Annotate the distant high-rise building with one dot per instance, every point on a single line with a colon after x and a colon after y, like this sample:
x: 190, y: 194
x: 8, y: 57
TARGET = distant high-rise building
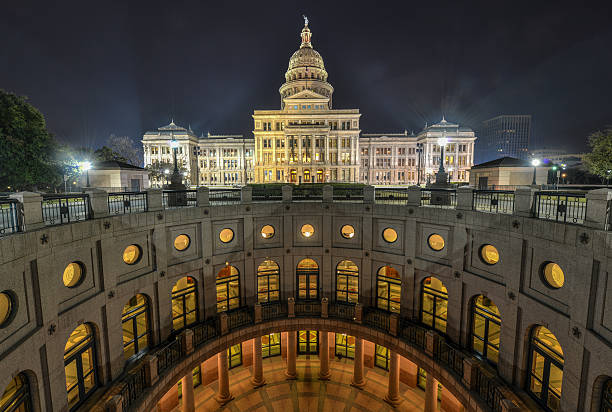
x: 504, y: 136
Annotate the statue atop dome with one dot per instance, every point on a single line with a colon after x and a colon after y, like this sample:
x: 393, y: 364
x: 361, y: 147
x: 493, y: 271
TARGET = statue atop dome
x: 305, y: 20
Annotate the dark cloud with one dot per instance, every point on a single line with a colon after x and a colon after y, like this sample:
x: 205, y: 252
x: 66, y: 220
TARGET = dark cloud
x: 127, y: 67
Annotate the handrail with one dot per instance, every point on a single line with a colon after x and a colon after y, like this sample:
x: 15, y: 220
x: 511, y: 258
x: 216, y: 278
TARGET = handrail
x: 451, y: 357
x: 60, y: 209
x: 10, y: 216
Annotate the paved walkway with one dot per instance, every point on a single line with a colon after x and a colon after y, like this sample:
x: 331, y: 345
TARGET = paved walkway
x: 307, y: 393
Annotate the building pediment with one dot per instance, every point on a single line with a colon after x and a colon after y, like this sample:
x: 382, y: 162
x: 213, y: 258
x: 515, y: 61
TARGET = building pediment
x: 306, y: 95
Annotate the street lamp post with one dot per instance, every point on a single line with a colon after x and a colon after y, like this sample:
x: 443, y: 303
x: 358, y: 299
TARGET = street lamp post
x: 174, y: 145
x: 441, y: 175
x: 419, y: 150
x: 86, y: 167
x: 166, y: 173
x: 535, y: 163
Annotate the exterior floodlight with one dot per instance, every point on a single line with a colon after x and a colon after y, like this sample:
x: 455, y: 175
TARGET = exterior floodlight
x: 86, y: 165
x: 167, y: 171
x: 174, y: 143
x: 535, y: 162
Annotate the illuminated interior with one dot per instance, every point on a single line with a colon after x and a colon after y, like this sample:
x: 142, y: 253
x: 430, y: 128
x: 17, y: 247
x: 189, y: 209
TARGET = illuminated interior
x: 434, y: 304
x: 389, y: 289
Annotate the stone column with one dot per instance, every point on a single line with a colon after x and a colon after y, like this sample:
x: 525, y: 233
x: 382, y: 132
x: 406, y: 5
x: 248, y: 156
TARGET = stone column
x: 392, y: 396
x: 324, y: 373
x: 358, y: 380
x: 291, y: 372
x: 224, y: 395
x: 431, y: 394
x: 31, y: 204
x: 188, y: 403
x: 257, y: 378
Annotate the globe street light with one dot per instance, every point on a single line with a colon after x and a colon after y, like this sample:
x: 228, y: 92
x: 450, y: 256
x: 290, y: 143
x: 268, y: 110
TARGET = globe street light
x: 166, y: 173
x: 535, y: 163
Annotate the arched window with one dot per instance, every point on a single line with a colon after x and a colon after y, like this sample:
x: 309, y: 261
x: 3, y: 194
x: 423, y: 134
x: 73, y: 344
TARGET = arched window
x: 184, y: 303
x: 389, y: 289
x: 606, y: 397
x: 486, y: 324
x: 16, y: 396
x: 347, y: 282
x: 268, y: 282
x: 307, y: 273
x: 80, y: 365
x: 434, y: 304
x: 228, y: 289
x: 135, y: 324
x: 545, y: 368
x: 308, y: 342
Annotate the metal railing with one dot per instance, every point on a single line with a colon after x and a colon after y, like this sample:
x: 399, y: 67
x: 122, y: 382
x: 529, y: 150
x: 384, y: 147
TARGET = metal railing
x: 449, y: 356
x: 224, y: 197
x: 488, y: 389
x: 205, y: 331
x: 446, y: 198
x: 178, y: 198
x: 341, y: 310
x: 135, y: 383
x: 273, y: 310
x: 497, y: 201
x: 306, y: 193
x: 348, y: 194
x: 10, y: 216
x: 307, y: 308
x: 267, y: 193
x: 239, y: 317
x: 566, y: 207
x: 60, y: 209
x: 413, y: 333
x: 391, y: 196
x: 377, y: 318
x: 127, y: 202
x: 169, y: 355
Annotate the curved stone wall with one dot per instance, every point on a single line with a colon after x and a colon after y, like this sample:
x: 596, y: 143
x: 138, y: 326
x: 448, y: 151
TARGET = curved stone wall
x: 32, y: 263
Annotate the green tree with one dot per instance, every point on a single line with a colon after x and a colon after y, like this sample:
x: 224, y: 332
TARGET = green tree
x: 599, y: 161
x: 157, y: 171
x: 26, y: 147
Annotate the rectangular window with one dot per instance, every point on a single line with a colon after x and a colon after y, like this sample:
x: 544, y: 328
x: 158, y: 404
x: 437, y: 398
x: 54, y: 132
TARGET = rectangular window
x: 345, y: 346
x: 270, y: 345
x: 234, y: 355
x: 382, y: 357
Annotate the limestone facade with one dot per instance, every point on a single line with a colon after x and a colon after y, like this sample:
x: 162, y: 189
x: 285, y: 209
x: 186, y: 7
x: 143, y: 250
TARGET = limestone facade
x: 46, y: 311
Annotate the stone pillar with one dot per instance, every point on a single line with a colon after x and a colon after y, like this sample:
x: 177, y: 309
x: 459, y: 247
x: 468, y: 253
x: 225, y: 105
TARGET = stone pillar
x: 524, y: 197
x: 430, y: 337
x: 98, y: 203
x: 203, y: 196
x: 31, y: 204
x: 291, y: 372
x: 328, y: 193
x: 358, y: 380
x: 465, y: 199
x: 392, y: 396
x: 257, y: 315
x: 414, y: 196
x: 431, y: 394
x: 224, y: 395
x: 287, y: 193
x: 188, y: 402
x: 154, y: 200
x: 291, y: 307
x: 394, y: 324
x: 597, y: 209
x: 368, y: 194
x: 150, y: 365
x: 469, y: 373
x: 223, y: 323
x: 358, y: 313
x: 114, y: 404
x: 246, y: 194
x: 324, y: 373
x: 257, y: 378
x: 324, y: 308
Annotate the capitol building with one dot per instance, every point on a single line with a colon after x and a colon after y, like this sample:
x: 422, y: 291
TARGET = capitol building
x: 309, y: 141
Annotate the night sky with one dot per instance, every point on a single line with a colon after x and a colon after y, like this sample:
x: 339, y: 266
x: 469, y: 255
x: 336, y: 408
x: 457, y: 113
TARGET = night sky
x: 101, y: 68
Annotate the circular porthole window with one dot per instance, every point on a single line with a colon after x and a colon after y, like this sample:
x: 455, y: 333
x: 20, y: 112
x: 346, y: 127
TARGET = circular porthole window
x: 267, y: 231
x: 7, y: 307
x: 307, y: 230
x: 182, y: 242
x: 436, y: 242
x: 132, y: 254
x: 489, y: 254
x: 73, y: 274
x: 390, y: 235
x: 347, y: 231
x: 226, y: 235
x: 553, y: 275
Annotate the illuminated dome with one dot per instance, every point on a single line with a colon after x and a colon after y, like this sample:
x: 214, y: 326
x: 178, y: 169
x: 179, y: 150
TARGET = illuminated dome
x: 306, y: 70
